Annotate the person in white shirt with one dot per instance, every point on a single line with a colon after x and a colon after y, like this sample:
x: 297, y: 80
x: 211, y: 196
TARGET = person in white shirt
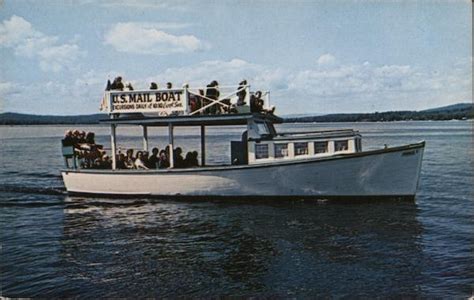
x: 139, y: 164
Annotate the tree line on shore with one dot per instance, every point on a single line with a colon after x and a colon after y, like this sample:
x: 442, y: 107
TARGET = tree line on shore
x: 459, y: 111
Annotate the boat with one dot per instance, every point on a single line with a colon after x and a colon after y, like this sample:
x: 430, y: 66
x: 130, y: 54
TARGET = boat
x: 320, y: 164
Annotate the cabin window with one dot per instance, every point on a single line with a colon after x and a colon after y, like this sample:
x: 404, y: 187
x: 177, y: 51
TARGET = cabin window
x: 261, y: 151
x: 320, y: 147
x: 281, y: 150
x: 262, y: 129
x: 301, y: 149
x: 341, y: 145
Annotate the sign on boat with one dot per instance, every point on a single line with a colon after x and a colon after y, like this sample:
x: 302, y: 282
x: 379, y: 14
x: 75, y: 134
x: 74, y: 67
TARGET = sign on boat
x: 263, y: 163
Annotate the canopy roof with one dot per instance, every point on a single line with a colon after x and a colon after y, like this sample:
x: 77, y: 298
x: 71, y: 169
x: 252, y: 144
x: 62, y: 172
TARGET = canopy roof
x: 195, y: 120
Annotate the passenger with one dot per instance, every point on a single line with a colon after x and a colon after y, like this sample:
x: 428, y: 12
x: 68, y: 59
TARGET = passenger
x: 68, y: 139
x: 90, y: 138
x: 256, y: 103
x: 195, y: 162
x: 241, y: 93
x: 121, y: 159
x: 82, y: 137
x: 145, y: 156
x: 178, y: 158
x: 139, y: 164
x: 163, y: 161
x: 117, y: 84
x: 103, y: 162
x: 212, y: 92
x: 129, y: 86
x: 108, y: 86
x: 153, y: 86
x: 130, y: 160
x: 154, y: 158
x: 191, y: 160
x: 169, y: 85
x: 200, y: 101
x: 75, y: 136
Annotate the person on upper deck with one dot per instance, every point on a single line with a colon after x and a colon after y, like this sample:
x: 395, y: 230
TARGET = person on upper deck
x: 169, y: 85
x: 212, y: 92
x: 241, y: 92
x: 129, y: 86
x: 153, y: 86
x: 256, y: 102
x: 117, y: 84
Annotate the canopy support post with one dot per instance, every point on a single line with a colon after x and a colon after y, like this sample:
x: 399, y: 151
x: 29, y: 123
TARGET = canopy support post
x: 171, y: 144
x: 113, y: 145
x: 145, y: 137
x: 203, y: 145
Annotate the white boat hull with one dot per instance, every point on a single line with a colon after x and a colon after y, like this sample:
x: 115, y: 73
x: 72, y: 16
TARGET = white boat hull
x: 391, y: 172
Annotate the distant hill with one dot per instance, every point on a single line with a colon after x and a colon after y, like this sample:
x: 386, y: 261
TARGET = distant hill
x: 458, y: 111
x: 26, y: 119
x: 450, y: 108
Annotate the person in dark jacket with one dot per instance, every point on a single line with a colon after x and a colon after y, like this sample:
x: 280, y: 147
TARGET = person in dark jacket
x: 212, y: 92
x: 153, y: 159
x: 117, y: 84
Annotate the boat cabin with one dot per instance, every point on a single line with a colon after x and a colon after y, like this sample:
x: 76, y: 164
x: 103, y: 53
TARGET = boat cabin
x: 230, y: 105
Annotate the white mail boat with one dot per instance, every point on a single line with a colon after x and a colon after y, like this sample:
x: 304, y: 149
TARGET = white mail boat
x: 264, y: 163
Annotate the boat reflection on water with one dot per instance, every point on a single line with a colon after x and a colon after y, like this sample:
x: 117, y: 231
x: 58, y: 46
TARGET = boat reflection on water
x: 145, y: 247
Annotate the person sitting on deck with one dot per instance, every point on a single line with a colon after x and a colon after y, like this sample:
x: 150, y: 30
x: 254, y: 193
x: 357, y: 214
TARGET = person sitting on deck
x: 178, y: 158
x: 103, y: 162
x: 68, y: 139
x: 169, y: 85
x: 139, y: 164
x: 90, y: 138
x: 154, y: 158
x: 129, y: 86
x: 130, y: 160
x: 256, y: 102
x: 153, y: 86
x: 163, y: 161
x: 117, y: 84
x: 145, y: 156
x: 191, y: 160
x: 121, y: 159
x: 241, y: 93
x: 212, y: 92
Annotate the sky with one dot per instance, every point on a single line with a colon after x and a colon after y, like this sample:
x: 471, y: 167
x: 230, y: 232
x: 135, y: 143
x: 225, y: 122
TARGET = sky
x: 315, y: 57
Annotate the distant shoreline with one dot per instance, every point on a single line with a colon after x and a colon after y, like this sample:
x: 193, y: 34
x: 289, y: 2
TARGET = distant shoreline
x: 460, y: 111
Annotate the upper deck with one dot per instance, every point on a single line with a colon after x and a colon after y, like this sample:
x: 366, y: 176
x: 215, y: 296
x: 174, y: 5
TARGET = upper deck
x: 186, y: 102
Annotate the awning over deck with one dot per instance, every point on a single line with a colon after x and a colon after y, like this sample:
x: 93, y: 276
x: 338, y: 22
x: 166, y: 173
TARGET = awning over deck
x: 197, y: 120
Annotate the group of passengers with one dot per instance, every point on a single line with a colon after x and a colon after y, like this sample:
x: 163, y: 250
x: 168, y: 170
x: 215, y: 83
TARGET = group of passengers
x: 93, y: 156
x: 203, y: 102
x: 156, y: 160
x: 90, y: 154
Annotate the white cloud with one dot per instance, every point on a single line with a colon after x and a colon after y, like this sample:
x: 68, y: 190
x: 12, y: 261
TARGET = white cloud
x: 149, y: 38
x: 326, y: 59
x: 19, y: 35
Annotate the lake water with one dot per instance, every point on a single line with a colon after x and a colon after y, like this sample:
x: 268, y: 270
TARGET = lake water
x: 53, y: 245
